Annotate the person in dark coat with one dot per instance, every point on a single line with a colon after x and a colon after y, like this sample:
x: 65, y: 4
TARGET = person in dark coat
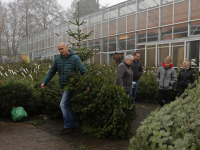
x: 166, y: 77
x: 185, y: 77
x: 64, y: 64
x: 137, y: 72
x: 125, y: 74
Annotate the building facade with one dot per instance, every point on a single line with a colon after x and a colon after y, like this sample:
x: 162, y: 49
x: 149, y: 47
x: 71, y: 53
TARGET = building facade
x: 155, y: 28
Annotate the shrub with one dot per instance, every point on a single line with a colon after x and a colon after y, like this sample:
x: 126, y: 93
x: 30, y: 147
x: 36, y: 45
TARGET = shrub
x: 104, y: 111
x: 175, y: 126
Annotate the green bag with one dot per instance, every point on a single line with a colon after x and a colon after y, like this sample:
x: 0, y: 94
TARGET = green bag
x: 18, y: 113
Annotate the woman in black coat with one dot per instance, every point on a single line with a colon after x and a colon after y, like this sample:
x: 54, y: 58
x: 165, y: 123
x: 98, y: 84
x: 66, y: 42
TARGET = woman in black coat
x: 185, y: 77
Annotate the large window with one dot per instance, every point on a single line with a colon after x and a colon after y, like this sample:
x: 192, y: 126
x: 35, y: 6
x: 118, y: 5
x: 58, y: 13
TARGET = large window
x: 153, y: 18
x: 180, y: 30
x: 195, y: 9
x: 177, y: 54
x: 105, y: 44
x: 152, y: 35
x: 194, y: 53
x: 122, y: 42
x: 105, y: 29
x: 166, y: 33
x: 151, y: 50
x: 181, y: 11
x: 131, y: 23
x: 131, y: 41
x: 163, y: 52
x: 122, y: 25
x: 142, y: 19
x: 167, y: 14
x: 122, y: 9
x: 142, y: 36
x: 112, y: 27
x: 112, y: 43
x: 195, y: 27
x: 97, y: 30
x: 91, y: 29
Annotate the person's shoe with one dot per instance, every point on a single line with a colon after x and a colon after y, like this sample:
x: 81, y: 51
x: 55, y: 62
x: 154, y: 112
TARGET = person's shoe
x: 65, y: 131
x: 74, y: 129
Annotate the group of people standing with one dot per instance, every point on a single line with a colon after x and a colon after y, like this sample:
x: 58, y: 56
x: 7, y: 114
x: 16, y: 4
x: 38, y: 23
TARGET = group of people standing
x: 128, y: 74
x: 130, y: 70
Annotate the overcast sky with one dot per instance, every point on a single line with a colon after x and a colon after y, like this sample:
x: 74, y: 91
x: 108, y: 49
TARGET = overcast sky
x: 66, y: 3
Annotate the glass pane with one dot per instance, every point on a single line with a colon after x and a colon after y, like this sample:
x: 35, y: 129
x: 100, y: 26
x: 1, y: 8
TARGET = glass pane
x: 105, y: 15
x: 131, y: 7
x: 122, y: 25
x: 112, y: 27
x: 195, y: 9
x: 181, y: 11
x: 98, y: 17
x: 97, y: 30
x: 180, y: 30
x: 152, y: 35
x: 151, y: 56
x: 163, y: 51
x: 142, y: 5
x: 142, y: 36
x: 113, y: 13
x: 142, y: 20
x: 122, y: 10
x: 142, y: 56
x: 195, y: 27
x: 122, y: 42
x: 166, y: 33
x: 91, y: 19
x: 167, y: 14
x: 177, y: 55
x: 104, y: 58
x: 153, y: 18
x: 105, y: 44
x: 167, y: 1
x: 153, y: 3
x: 97, y: 57
x: 91, y: 29
x: 130, y: 41
x: 131, y: 23
x: 105, y: 29
x: 194, y: 52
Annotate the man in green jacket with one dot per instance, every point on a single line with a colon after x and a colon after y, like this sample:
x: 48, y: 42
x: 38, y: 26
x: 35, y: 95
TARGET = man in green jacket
x: 65, y: 63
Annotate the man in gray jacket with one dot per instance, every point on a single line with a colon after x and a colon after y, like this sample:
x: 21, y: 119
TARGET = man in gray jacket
x: 125, y: 74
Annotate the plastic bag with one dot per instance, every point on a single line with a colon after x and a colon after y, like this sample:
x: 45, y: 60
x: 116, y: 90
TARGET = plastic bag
x: 18, y: 114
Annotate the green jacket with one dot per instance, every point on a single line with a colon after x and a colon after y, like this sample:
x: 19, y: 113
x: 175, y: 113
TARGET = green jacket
x: 64, y: 66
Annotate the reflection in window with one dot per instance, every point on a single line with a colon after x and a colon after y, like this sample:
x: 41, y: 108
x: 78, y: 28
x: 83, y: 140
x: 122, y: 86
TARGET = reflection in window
x: 153, y: 18
x: 151, y: 56
x: 166, y: 33
x: 122, y: 10
x: 142, y: 36
x: 142, y: 20
x: 181, y: 11
x: 112, y: 27
x: 122, y: 25
x: 177, y: 55
x: 131, y: 7
x: 122, y: 42
x: 167, y: 14
x: 180, y: 30
x: 97, y: 30
x: 130, y: 41
x: 105, y: 29
x: 163, y: 51
x: 195, y: 9
x: 131, y: 23
x: 195, y: 27
x: 152, y: 35
x: 113, y: 13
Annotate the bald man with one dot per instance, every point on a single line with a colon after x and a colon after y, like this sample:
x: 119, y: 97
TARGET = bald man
x: 65, y: 63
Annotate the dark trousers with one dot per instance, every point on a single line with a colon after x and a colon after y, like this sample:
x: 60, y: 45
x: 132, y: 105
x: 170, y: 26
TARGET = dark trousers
x: 182, y: 89
x: 164, y: 97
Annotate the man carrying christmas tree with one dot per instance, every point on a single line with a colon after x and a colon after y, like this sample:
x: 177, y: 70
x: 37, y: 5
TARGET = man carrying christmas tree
x: 66, y: 63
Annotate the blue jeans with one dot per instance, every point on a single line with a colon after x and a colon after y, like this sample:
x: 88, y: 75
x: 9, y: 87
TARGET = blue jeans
x: 70, y: 118
x: 134, y: 90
